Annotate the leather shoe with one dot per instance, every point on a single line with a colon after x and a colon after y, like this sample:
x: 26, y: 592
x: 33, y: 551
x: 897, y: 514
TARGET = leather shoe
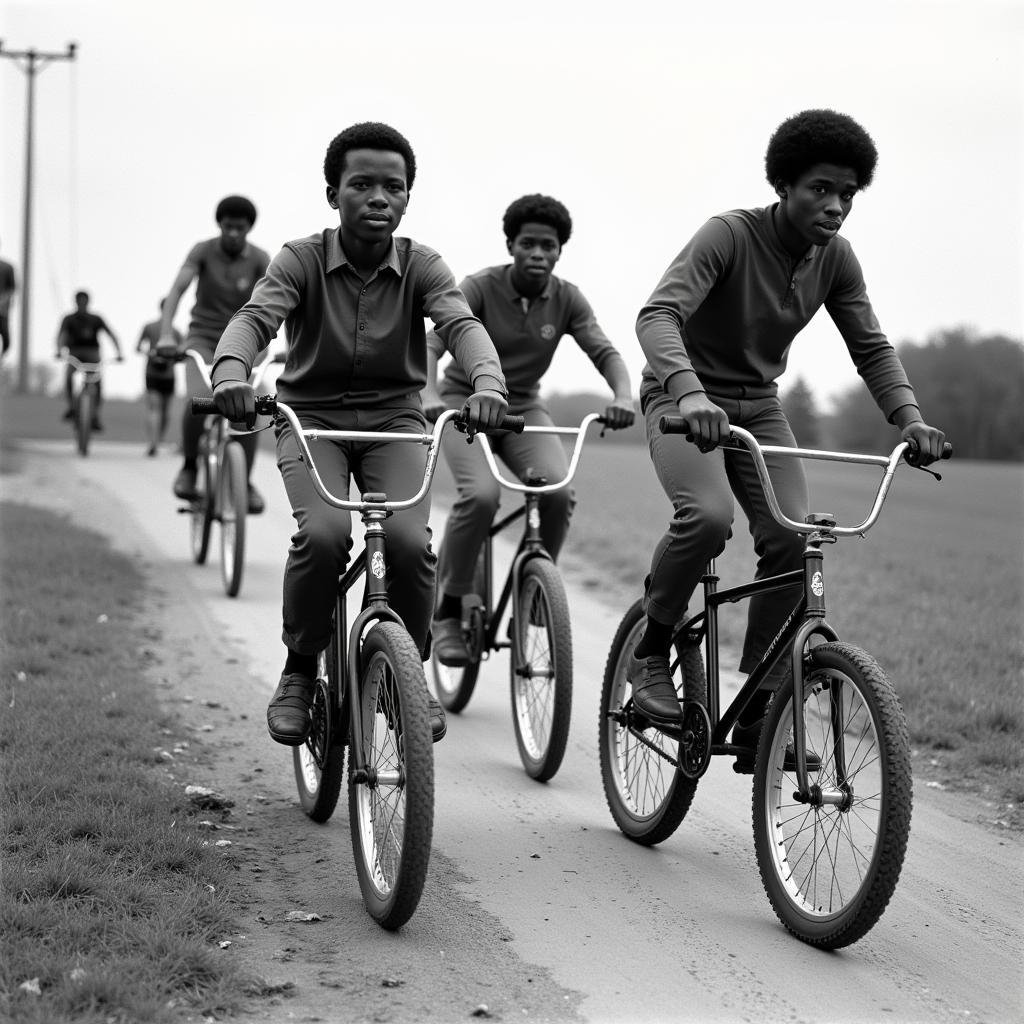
x: 288, y: 719
x: 256, y: 503
x: 449, y: 643
x: 438, y: 721
x: 185, y: 485
x: 654, y: 696
x: 748, y: 735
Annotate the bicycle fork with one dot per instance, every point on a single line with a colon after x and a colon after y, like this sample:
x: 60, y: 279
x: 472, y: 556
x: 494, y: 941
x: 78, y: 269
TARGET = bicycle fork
x: 530, y: 546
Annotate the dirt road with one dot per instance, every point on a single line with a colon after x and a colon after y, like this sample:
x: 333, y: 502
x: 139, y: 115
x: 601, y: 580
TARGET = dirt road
x: 536, y: 908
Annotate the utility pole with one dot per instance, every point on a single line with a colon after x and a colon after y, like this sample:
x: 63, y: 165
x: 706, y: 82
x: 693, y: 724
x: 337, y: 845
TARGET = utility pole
x: 31, y: 62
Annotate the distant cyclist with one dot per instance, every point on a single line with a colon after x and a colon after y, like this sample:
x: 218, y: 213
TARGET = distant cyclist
x: 159, y: 381
x: 225, y: 270
x: 526, y: 311
x: 80, y: 334
x: 716, y: 332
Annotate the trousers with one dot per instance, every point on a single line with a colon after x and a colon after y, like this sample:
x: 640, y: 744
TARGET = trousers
x: 702, y: 487
x: 322, y: 541
x: 479, y: 495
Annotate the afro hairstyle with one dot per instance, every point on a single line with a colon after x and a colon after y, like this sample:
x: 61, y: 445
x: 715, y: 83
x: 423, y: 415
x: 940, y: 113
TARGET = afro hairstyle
x: 540, y: 210
x: 236, y: 206
x: 368, y: 135
x: 819, y: 136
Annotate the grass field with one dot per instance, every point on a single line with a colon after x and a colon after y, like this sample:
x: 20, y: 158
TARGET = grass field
x: 112, y: 899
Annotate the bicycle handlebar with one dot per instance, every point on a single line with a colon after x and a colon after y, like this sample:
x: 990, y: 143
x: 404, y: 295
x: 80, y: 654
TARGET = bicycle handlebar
x: 268, y: 405
x: 743, y: 440
x: 517, y: 485
x: 71, y: 360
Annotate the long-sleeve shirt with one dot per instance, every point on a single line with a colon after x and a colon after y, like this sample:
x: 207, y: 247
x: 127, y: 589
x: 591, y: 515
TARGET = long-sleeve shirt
x: 355, y: 343
x: 526, y: 334
x: 729, y: 306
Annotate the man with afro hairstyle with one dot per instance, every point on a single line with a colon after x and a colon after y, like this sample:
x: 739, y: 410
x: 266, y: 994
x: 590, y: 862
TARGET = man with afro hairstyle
x: 527, y: 311
x: 716, y: 333
x: 353, y: 299
x: 225, y: 270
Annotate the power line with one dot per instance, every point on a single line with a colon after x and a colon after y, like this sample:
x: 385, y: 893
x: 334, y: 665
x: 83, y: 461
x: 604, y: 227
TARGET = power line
x: 31, y: 62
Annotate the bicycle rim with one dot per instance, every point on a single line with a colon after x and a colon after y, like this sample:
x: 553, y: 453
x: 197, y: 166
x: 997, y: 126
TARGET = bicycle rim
x: 541, y: 669
x: 830, y: 870
x: 391, y: 811
x: 646, y: 792
x: 319, y: 762
x: 83, y: 420
x: 234, y: 504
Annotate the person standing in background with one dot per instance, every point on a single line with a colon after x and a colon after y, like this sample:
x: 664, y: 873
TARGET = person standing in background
x: 8, y: 285
x: 159, y: 380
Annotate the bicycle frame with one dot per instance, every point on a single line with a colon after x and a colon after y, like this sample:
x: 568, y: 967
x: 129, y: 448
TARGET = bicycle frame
x: 530, y: 544
x: 808, y: 615
x: 370, y: 563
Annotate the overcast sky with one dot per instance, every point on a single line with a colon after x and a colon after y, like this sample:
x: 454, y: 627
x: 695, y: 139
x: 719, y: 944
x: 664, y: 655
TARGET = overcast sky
x: 644, y: 117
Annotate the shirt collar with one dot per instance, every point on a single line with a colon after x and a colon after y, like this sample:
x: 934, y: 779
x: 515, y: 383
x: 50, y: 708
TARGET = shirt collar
x: 514, y: 296
x: 335, y: 256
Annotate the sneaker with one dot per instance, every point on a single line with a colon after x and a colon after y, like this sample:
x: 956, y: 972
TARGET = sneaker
x: 654, y: 696
x: 438, y: 721
x: 449, y: 643
x: 256, y: 503
x: 748, y: 735
x: 69, y: 414
x: 151, y: 450
x: 185, y: 485
x: 288, y: 719
x: 97, y: 426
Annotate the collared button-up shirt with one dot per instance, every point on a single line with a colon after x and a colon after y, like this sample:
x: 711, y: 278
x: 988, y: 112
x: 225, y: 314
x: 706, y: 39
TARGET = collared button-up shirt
x: 729, y: 306
x: 526, y: 333
x: 355, y: 342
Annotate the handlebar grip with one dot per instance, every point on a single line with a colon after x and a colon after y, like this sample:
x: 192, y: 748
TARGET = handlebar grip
x: 673, y: 425
x: 515, y: 424
x: 203, y: 406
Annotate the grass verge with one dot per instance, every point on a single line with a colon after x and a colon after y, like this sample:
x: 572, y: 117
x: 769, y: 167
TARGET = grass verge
x: 111, y: 901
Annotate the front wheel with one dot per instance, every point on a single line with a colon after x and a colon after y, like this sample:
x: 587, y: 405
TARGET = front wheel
x: 541, y: 669
x: 202, y: 507
x: 391, y: 798
x: 642, y: 767
x: 455, y: 685
x: 84, y: 412
x: 830, y: 864
x: 234, y: 505
x: 319, y: 762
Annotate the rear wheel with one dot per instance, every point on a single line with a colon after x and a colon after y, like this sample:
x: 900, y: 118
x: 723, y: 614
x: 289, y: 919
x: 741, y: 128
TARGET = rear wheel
x: 202, y: 506
x: 541, y: 669
x: 647, y: 791
x: 234, y: 504
x: 830, y: 865
x: 454, y: 685
x: 391, y: 805
x: 84, y: 412
x: 319, y: 762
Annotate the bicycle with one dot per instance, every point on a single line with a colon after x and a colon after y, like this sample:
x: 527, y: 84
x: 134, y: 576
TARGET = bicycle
x: 539, y: 632
x: 222, y: 485
x: 85, y: 397
x: 371, y: 697
x: 829, y: 843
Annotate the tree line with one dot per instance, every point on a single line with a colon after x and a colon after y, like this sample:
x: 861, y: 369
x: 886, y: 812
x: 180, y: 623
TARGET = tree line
x: 972, y: 386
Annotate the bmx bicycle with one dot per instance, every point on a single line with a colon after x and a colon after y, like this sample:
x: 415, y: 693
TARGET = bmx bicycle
x: 830, y: 842
x: 371, y: 696
x: 538, y: 635
x: 221, y: 484
x: 85, y: 397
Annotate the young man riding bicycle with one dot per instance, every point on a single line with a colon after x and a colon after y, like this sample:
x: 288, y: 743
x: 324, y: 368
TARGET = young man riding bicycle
x: 353, y: 300
x: 225, y: 270
x: 716, y: 332
x: 527, y: 310
x: 80, y: 334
